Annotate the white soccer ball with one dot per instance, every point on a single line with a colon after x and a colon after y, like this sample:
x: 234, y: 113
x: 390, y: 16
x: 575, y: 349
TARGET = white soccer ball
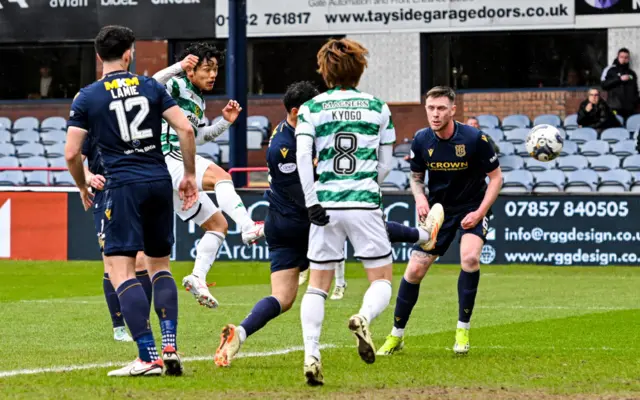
x: 544, y: 142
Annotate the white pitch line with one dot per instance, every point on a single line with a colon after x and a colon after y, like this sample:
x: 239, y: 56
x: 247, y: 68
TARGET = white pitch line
x: 69, y: 368
x: 555, y: 308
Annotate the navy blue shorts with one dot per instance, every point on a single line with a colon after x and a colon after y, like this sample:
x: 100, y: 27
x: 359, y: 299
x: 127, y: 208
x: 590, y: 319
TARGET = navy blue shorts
x: 450, y: 229
x: 98, y: 217
x: 139, y: 216
x: 288, y: 241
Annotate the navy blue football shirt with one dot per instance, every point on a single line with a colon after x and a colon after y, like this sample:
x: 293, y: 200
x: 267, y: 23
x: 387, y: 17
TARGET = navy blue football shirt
x: 285, y: 193
x: 456, y: 167
x: 124, y: 113
x: 90, y: 150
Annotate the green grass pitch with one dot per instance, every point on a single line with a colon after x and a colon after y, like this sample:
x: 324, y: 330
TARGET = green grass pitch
x: 537, y: 332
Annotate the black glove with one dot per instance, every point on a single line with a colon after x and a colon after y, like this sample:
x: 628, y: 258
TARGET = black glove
x: 318, y: 215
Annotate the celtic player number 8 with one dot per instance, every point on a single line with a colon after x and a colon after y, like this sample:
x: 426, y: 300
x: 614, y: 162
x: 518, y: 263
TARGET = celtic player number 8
x: 131, y: 131
x: 344, y: 163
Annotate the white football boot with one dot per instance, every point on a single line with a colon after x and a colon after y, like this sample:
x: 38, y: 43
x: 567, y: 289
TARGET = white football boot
x: 139, y: 368
x: 200, y: 290
x: 254, y: 234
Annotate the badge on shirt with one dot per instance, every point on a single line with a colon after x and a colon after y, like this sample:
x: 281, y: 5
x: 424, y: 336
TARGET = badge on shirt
x: 287, y: 168
x: 460, y: 150
x: 284, y: 151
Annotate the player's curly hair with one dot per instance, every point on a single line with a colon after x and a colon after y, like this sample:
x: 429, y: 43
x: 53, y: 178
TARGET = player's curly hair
x: 342, y: 62
x: 204, y: 51
x: 299, y: 93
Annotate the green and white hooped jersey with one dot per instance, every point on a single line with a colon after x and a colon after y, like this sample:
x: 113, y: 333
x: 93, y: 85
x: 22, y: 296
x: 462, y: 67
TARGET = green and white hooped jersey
x: 348, y: 127
x: 191, y: 101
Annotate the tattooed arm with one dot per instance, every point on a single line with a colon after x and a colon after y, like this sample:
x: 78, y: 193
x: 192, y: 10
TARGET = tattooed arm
x: 417, y: 188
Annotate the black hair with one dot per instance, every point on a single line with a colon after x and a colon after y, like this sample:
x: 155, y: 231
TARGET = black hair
x: 624, y: 50
x: 299, y: 93
x: 113, y: 41
x: 204, y: 51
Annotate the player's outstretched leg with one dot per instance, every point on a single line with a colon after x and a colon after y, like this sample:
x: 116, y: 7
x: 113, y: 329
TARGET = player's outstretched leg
x: 425, y: 235
x: 219, y: 180
x: 113, y: 304
x: 341, y: 283
x: 135, y: 309
x: 206, y: 251
x: 470, y: 248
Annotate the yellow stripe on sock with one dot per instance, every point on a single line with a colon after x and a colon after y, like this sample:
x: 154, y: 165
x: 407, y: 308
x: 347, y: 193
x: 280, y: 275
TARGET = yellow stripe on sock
x: 129, y: 287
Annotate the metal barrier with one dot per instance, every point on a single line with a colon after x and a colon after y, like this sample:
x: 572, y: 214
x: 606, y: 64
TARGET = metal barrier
x: 247, y: 170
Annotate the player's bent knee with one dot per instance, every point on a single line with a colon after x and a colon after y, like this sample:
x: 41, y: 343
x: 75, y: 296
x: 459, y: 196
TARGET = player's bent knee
x: 419, y: 264
x: 470, y: 262
x: 217, y: 223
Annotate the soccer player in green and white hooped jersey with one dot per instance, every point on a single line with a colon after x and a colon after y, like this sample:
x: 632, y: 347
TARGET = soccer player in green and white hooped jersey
x: 353, y: 135
x: 185, y: 82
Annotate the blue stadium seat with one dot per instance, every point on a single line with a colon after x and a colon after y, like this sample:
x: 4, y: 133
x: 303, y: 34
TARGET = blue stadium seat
x: 210, y: 151
x: 53, y: 124
x: 506, y: 149
x: 517, y: 181
x: 58, y: 162
x: 254, y: 138
x: 582, y: 135
x: 10, y: 162
x: 533, y: 165
x: 5, y: 136
x: 620, y: 119
x: 53, y: 136
x: 583, y: 180
x: 55, y: 150
x: 594, y: 148
x: 30, y: 150
x: 521, y: 150
x: 496, y: 134
x: 633, y: 124
x: 569, y: 148
x: 37, y: 162
x: 548, y: 119
x: 261, y: 123
x: 571, y: 122
x: 572, y: 163
x: 26, y: 136
x: 63, y: 178
x: 510, y: 163
x: 632, y: 163
x: 403, y: 165
x: 516, y: 121
x: 624, y: 148
x: 615, y: 180
x: 5, y: 123
x: 397, y: 179
x: 604, y: 163
x: 26, y: 124
x: 224, y: 153
x: 38, y: 178
x: 402, y: 149
x: 516, y: 135
x: 549, y: 181
x: 614, y: 135
x: 11, y: 178
x: 488, y: 121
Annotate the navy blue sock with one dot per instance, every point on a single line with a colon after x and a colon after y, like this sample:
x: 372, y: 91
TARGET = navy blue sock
x: 407, y: 298
x: 165, y: 301
x: 399, y: 233
x: 467, y: 290
x: 135, y: 309
x: 112, y: 302
x: 145, y: 281
x: 264, y: 311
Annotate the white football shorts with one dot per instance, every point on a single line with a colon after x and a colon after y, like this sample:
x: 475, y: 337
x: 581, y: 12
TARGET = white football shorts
x: 366, y: 231
x: 204, y: 208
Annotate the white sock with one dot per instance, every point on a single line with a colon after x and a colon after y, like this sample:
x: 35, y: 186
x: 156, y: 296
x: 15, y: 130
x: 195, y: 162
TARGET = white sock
x: 206, y: 253
x: 340, y: 274
x: 242, y: 334
x: 424, y: 236
x: 311, y: 316
x: 376, y: 299
x: 232, y: 205
x: 397, y: 332
x: 465, y: 325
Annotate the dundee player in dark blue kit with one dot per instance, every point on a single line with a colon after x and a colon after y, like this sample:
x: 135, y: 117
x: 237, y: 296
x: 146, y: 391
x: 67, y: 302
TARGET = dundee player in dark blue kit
x: 124, y: 113
x: 458, y: 159
x: 94, y: 174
